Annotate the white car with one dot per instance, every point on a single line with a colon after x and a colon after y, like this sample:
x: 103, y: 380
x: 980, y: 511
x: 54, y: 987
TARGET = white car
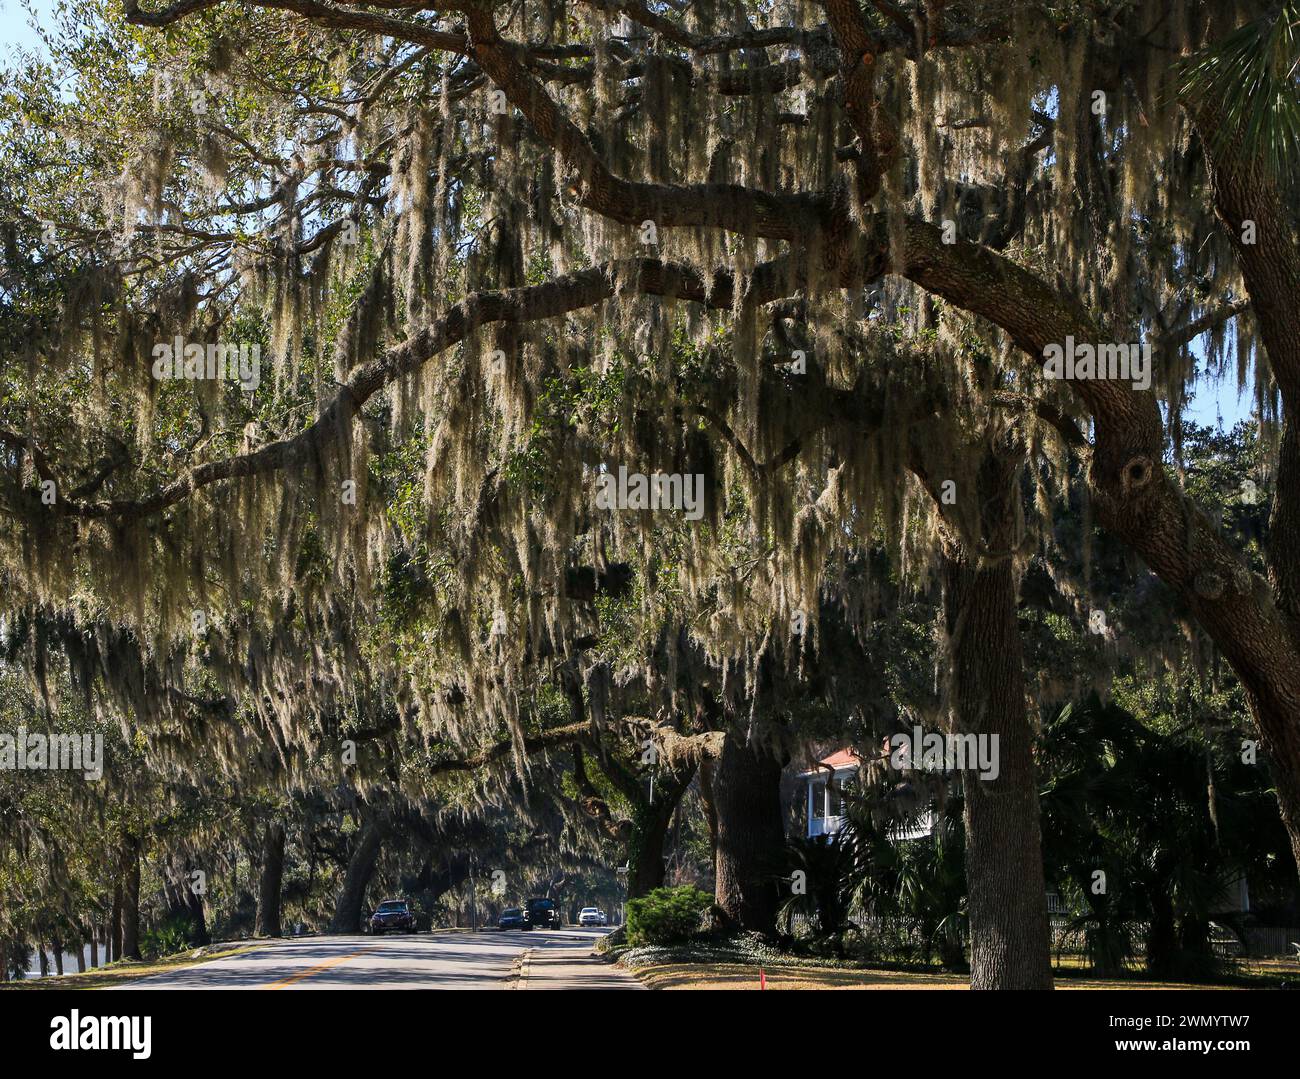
x: 591, y: 916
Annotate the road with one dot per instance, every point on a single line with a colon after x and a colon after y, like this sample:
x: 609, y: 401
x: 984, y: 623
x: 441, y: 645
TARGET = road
x: 444, y: 960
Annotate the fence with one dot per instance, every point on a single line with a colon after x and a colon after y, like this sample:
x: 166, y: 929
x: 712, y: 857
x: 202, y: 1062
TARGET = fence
x: 1270, y: 940
x: 1257, y: 942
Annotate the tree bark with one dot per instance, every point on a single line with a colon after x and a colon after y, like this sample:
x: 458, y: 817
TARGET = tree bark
x: 1244, y: 190
x: 114, y: 942
x: 650, y: 821
x: 361, y: 866
x: 646, y: 850
x: 749, y: 857
x: 268, y: 897
x: 653, y: 799
x: 646, y: 833
x: 1010, y: 940
x: 130, y: 941
x: 1134, y: 497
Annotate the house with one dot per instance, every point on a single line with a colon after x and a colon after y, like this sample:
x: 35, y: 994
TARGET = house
x: 825, y: 788
x: 825, y: 785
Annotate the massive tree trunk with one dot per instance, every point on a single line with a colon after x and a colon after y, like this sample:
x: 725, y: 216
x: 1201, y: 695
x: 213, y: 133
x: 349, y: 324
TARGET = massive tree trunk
x: 650, y: 821
x: 1245, y: 191
x: 130, y: 942
x: 268, y: 895
x: 1009, y: 932
x: 645, y: 834
x: 1134, y: 497
x: 361, y: 866
x: 653, y: 798
x: 749, y: 855
x: 1274, y: 695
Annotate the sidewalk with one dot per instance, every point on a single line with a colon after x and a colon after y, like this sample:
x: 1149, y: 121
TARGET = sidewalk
x: 570, y: 968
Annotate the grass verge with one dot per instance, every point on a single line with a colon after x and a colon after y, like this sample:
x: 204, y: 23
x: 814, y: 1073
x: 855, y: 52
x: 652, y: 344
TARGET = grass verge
x: 735, y: 963
x: 129, y: 970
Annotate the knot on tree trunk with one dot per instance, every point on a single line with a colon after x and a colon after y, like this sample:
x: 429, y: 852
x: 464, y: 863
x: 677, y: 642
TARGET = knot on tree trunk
x: 1136, y: 474
x: 1209, y: 584
x: 1216, y: 583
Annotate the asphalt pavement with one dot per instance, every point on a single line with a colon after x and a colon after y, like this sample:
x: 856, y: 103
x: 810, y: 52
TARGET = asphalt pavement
x: 537, y: 959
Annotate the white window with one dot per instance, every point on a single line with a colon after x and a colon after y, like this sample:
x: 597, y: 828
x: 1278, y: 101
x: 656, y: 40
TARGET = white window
x: 818, y: 800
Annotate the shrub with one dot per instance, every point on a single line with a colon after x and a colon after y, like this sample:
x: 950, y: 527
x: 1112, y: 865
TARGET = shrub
x: 666, y: 915
x: 165, y: 939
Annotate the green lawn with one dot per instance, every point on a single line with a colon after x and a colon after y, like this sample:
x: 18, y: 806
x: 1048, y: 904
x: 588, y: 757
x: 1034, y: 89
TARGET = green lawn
x: 128, y: 970
x: 1259, y: 974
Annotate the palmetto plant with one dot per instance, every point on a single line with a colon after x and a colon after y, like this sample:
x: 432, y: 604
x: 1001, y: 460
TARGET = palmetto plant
x: 1144, y: 828
x: 918, y: 884
x: 827, y: 868
x: 1251, y: 80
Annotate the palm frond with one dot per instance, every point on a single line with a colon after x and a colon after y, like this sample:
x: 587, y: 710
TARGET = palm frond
x: 1250, y: 83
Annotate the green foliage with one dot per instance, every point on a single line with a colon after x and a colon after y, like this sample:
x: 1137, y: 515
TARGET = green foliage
x: 666, y: 915
x: 827, y: 867
x: 914, y: 891
x: 1250, y: 79
x: 1168, y: 811
x: 166, y: 939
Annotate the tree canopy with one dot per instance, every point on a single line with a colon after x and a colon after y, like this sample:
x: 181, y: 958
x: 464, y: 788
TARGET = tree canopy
x: 406, y: 406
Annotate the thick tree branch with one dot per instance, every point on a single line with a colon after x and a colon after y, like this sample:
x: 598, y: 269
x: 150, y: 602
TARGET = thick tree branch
x: 727, y: 206
x: 559, y: 296
x: 533, y: 743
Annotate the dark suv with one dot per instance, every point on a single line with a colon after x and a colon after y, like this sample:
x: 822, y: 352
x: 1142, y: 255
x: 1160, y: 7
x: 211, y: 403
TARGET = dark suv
x: 543, y: 914
x: 392, y: 915
x: 512, y: 918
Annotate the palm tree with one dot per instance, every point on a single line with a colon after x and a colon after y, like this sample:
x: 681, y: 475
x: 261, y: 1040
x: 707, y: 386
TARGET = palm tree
x: 1145, y: 826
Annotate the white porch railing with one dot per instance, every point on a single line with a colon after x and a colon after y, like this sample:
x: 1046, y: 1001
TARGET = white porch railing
x: 824, y: 826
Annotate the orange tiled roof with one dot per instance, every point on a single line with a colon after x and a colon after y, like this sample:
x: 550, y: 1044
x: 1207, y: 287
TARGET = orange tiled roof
x: 841, y: 758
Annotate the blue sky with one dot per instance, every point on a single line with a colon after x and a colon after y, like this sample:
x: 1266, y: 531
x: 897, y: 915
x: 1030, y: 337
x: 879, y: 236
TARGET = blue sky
x: 14, y: 28
x: 1216, y: 402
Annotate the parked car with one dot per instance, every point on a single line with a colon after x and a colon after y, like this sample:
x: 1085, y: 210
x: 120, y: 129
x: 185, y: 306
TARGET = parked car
x: 392, y: 915
x: 513, y: 918
x: 543, y: 914
x: 591, y: 916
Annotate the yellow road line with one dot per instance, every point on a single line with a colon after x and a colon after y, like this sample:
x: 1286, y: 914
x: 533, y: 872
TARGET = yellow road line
x: 310, y: 971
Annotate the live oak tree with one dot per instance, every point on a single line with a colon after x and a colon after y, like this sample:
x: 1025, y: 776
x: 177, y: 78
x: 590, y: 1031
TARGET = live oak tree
x: 424, y: 216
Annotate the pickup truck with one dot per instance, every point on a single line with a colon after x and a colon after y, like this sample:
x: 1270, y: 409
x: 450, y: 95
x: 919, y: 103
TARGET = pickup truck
x: 543, y: 914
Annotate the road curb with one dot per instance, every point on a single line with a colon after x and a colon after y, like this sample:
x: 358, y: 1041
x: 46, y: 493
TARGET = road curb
x: 518, y: 976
